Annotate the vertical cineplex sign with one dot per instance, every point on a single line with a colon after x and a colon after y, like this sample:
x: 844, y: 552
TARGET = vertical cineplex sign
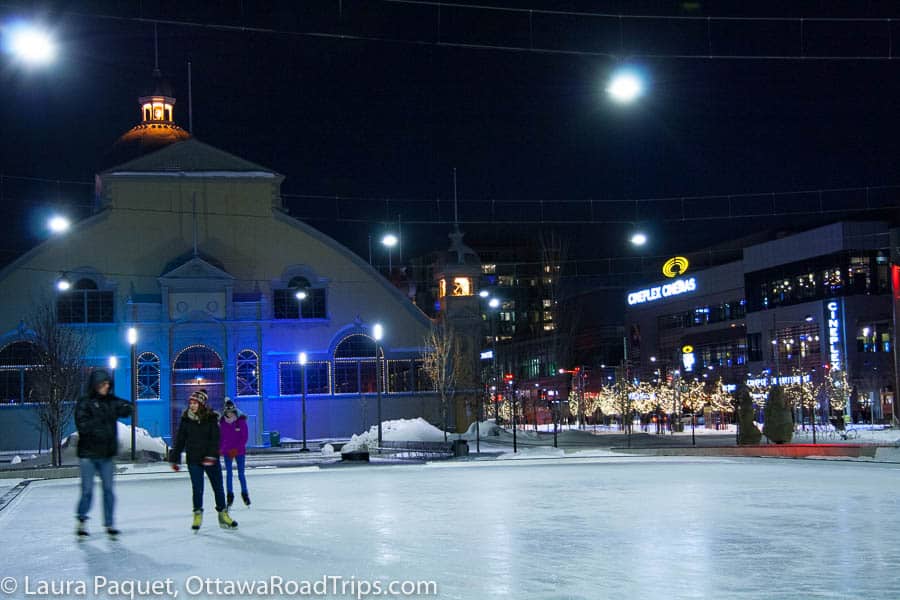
x: 834, y: 328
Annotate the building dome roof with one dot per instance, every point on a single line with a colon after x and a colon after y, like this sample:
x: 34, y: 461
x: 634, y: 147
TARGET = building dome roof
x: 157, y: 128
x: 142, y: 139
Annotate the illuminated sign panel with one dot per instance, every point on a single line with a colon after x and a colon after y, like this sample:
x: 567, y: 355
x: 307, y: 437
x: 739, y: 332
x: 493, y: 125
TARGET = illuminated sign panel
x: 833, y: 318
x: 675, y: 266
x: 667, y: 290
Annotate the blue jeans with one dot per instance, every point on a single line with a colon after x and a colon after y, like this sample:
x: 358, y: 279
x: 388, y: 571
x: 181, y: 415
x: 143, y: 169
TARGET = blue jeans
x: 104, y: 468
x: 240, y: 459
x: 214, y: 473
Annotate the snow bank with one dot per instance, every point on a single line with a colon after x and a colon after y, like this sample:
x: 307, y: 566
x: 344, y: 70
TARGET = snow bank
x: 487, y: 429
x: 144, y: 442
x: 16, y: 460
x: 328, y: 450
x: 400, y: 430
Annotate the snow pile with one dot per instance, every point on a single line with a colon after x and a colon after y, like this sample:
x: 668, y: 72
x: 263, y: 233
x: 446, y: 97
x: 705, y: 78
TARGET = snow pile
x: 400, y: 430
x: 328, y: 450
x: 486, y: 429
x: 144, y: 442
x: 16, y: 460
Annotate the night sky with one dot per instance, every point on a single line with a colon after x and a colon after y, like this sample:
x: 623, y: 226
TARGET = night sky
x: 382, y: 123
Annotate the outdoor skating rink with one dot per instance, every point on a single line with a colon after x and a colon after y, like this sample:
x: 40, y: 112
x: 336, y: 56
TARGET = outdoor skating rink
x: 609, y: 527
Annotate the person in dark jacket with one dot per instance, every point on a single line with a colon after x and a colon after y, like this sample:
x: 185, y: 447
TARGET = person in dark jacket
x: 198, y: 436
x: 233, y: 448
x: 96, y: 419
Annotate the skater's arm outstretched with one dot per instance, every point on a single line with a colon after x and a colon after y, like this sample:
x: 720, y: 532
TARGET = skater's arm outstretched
x: 124, y: 408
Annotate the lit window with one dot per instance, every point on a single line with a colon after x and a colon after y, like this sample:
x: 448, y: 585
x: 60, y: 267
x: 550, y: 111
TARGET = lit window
x: 148, y: 376
x: 462, y: 286
x: 488, y: 268
x: 442, y: 284
x: 247, y: 373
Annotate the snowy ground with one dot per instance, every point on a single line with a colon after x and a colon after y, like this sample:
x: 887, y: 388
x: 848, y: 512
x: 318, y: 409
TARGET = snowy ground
x: 574, y: 528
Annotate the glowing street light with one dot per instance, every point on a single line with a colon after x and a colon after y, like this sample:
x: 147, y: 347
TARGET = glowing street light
x: 625, y: 86
x: 303, y: 360
x: 58, y: 224
x: 390, y: 240
x: 31, y: 45
x: 301, y: 295
x: 132, y: 341
x: 494, y: 303
x: 483, y: 293
x: 378, y: 334
x: 639, y: 239
x: 113, y: 363
x: 63, y: 284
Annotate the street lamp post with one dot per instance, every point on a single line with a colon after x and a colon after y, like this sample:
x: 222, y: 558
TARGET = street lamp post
x: 494, y: 304
x: 512, y: 404
x: 132, y: 341
x: 390, y: 240
x: 302, y: 359
x: 378, y: 334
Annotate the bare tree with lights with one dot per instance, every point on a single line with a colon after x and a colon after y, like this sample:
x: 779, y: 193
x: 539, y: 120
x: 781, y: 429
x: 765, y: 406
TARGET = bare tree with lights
x: 58, y: 375
x: 444, y: 364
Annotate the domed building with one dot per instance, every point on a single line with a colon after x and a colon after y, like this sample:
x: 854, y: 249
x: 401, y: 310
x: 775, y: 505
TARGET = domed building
x: 157, y: 128
x: 193, y: 248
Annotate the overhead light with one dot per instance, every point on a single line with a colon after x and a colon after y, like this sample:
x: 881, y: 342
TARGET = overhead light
x: 625, y: 86
x: 59, y: 224
x: 377, y: 332
x: 390, y: 240
x: 63, y: 283
x: 301, y: 295
x: 483, y: 293
x: 302, y: 358
x: 32, y: 45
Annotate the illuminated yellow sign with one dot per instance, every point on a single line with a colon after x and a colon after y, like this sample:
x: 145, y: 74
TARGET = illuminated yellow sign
x: 462, y: 286
x: 675, y: 266
x: 687, y: 349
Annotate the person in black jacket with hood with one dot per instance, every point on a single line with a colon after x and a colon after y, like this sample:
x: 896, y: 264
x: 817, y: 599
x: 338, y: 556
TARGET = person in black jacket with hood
x: 198, y: 435
x: 96, y: 418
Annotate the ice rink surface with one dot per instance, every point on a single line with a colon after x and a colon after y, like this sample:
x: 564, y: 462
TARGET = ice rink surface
x: 612, y: 527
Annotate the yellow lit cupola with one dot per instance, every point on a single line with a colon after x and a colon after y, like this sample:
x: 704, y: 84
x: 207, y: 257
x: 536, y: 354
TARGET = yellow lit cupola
x: 157, y: 127
x: 157, y: 105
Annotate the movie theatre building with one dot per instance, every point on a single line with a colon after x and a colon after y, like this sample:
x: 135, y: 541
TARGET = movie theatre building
x: 807, y: 302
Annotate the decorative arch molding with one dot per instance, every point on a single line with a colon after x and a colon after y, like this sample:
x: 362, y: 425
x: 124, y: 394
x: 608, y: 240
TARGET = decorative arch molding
x: 88, y: 272
x: 301, y: 270
x: 355, y: 328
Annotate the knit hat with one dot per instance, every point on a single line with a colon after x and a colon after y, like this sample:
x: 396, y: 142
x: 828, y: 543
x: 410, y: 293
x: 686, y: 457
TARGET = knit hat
x: 199, y: 396
x: 229, y: 405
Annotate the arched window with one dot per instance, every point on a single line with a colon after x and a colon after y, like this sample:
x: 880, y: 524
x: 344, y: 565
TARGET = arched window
x: 148, y: 376
x: 354, y: 365
x: 312, y: 306
x: 17, y: 361
x: 85, y: 302
x: 247, y: 373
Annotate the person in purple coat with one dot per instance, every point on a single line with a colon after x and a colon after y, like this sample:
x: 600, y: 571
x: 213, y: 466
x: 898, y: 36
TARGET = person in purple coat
x: 233, y: 446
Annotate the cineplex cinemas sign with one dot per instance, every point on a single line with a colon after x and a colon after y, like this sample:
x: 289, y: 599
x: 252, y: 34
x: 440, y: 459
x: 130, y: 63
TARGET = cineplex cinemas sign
x: 673, y: 288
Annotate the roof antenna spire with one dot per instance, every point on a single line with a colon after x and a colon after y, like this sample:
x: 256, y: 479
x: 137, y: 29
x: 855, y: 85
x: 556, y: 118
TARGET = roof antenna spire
x: 155, y: 51
x: 455, y: 204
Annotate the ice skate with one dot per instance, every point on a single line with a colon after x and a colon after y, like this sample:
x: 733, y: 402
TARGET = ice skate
x: 225, y: 520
